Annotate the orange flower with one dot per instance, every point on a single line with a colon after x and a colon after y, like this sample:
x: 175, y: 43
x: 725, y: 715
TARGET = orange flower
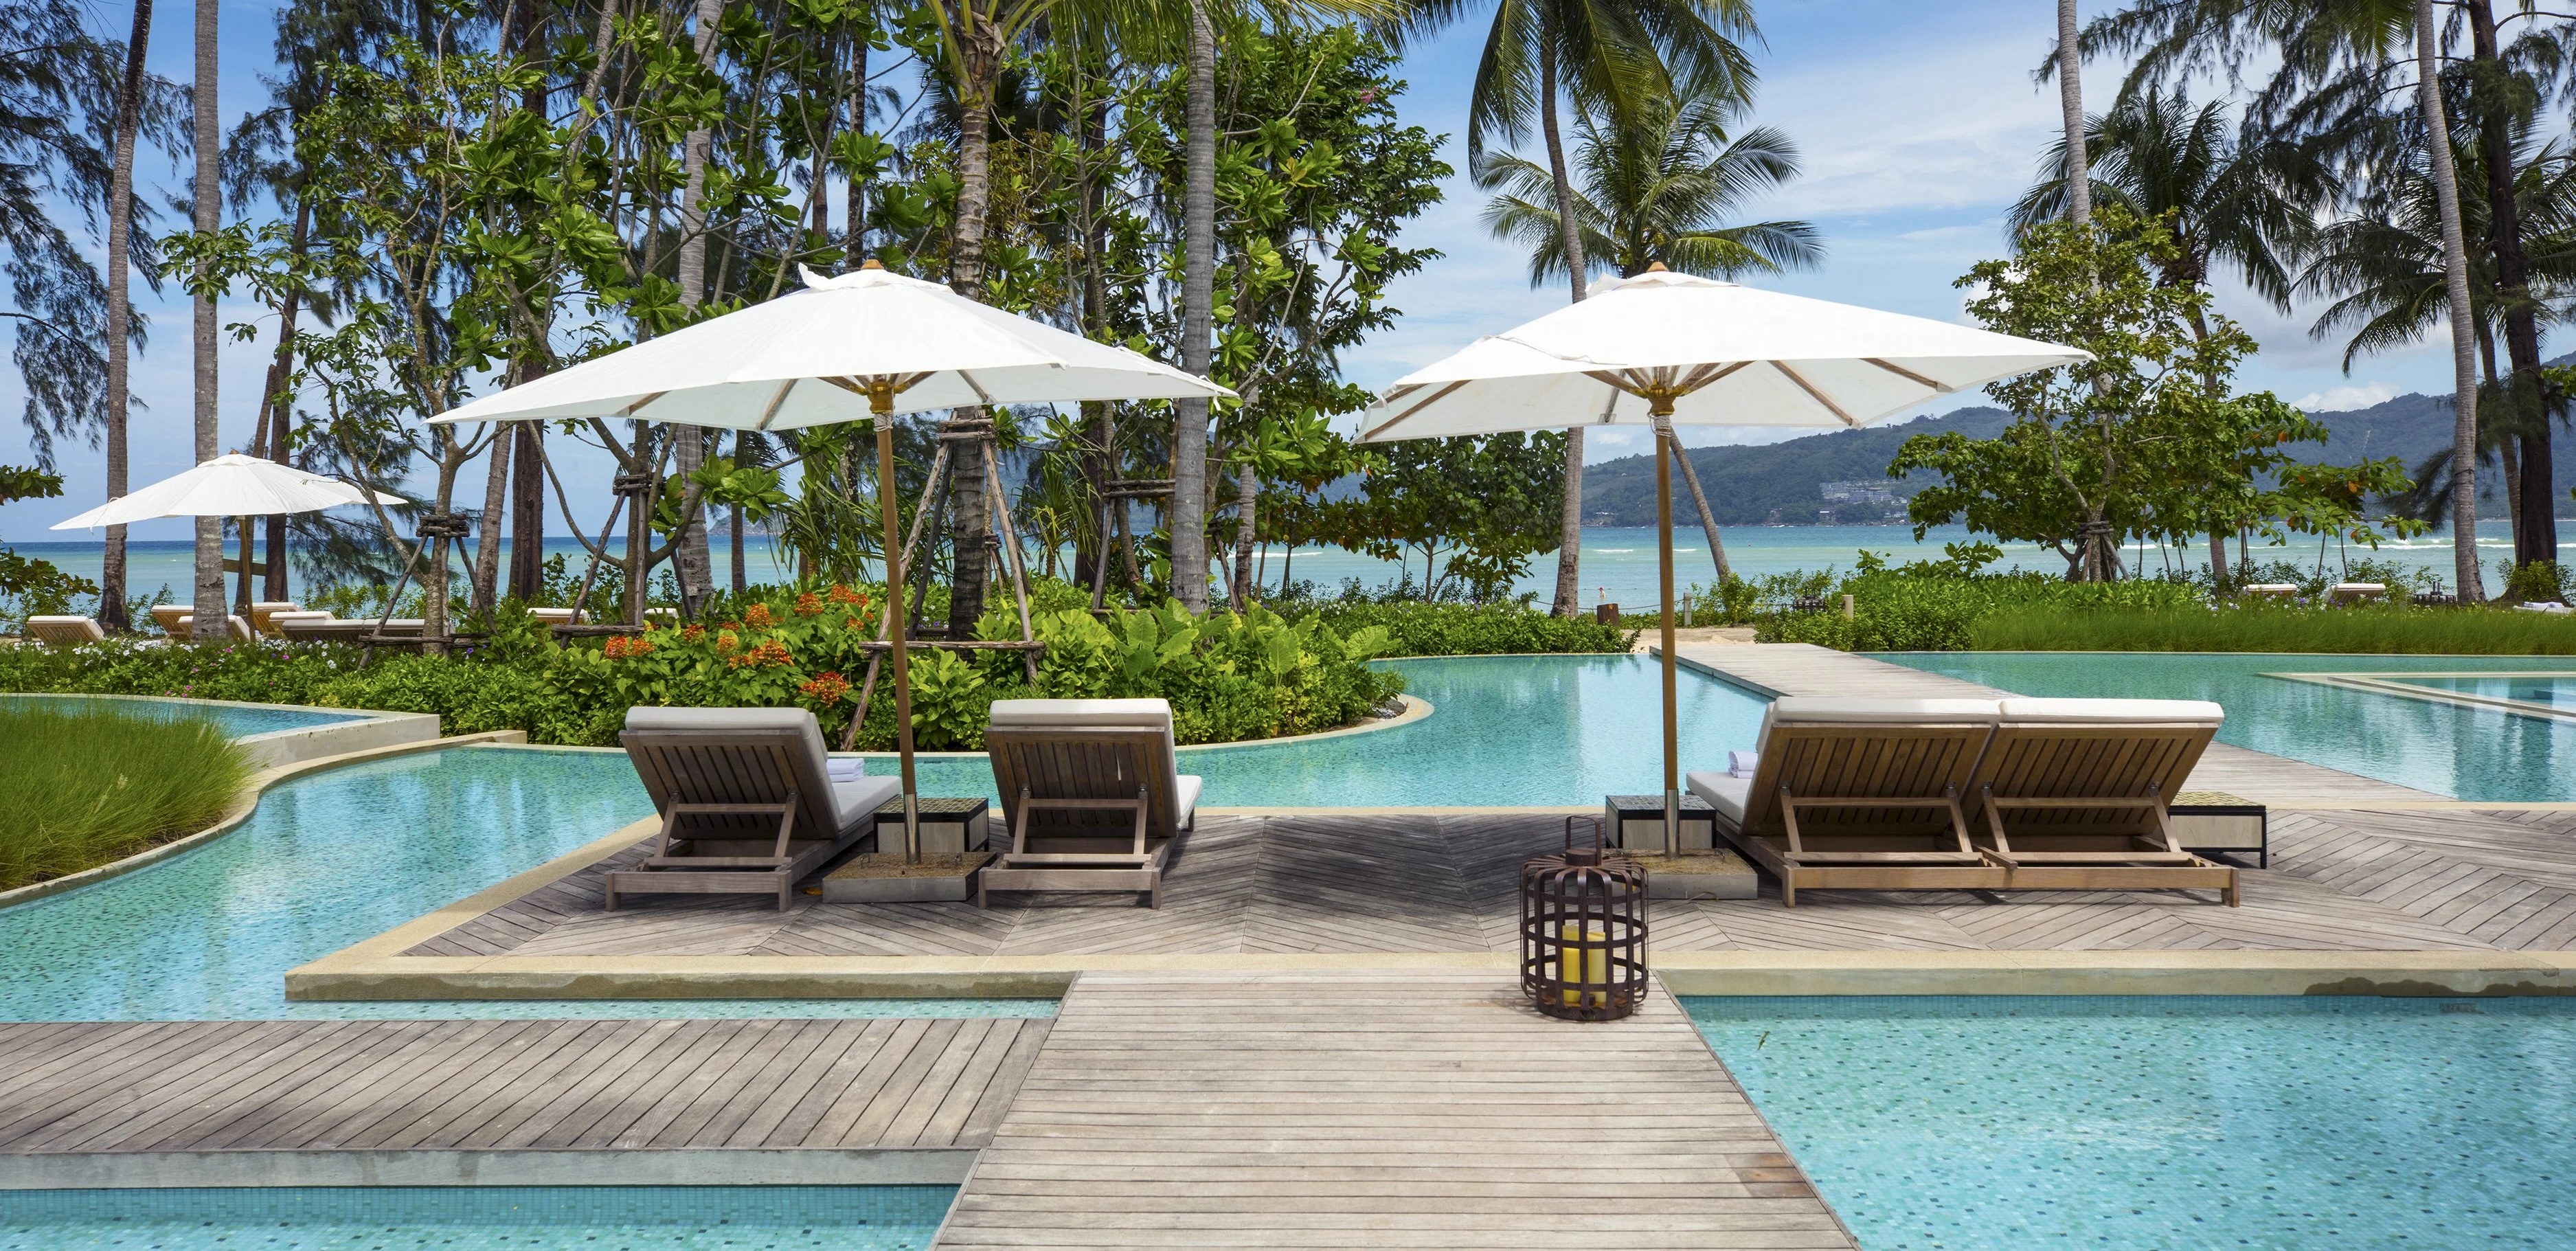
x: 829, y: 688
x: 757, y: 617
x: 694, y: 633
x: 844, y: 595
x: 621, y: 647
x: 808, y: 604
x: 727, y: 640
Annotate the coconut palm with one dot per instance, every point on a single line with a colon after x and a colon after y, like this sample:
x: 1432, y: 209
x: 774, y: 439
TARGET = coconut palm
x: 1663, y: 188
x: 1614, y: 54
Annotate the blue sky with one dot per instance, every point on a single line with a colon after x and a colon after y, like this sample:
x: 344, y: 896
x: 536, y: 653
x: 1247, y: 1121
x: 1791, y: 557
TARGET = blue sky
x: 1919, y: 124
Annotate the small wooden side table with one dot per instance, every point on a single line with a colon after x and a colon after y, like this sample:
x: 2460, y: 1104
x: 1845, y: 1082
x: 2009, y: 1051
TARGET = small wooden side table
x: 2207, y: 821
x: 948, y: 826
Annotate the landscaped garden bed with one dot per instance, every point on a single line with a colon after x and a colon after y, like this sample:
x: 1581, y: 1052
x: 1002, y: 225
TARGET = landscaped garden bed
x: 88, y: 786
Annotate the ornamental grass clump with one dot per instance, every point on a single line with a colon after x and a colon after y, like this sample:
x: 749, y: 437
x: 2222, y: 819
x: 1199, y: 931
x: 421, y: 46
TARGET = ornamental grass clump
x: 88, y: 786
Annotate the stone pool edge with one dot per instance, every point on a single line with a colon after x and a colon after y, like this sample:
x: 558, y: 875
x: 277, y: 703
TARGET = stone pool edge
x: 753, y: 1166
x: 243, y: 806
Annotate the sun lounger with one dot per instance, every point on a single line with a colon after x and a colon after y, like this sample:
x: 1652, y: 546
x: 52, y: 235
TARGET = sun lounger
x: 2073, y: 794
x: 555, y: 616
x: 238, y: 629
x: 747, y: 800
x: 2552, y: 607
x: 2270, y: 590
x: 322, y: 627
x: 263, y: 615
x: 64, y: 631
x: 1092, y: 793
x: 2346, y: 594
x: 1859, y: 794
x: 167, y: 616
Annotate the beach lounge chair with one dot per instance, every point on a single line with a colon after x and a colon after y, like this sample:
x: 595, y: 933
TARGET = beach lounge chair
x: 233, y: 625
x: 64, y: 631
x: 747, y: 800
x: 2073, y: 794
x: 555, y: 616
x: 1859, y: 794
x: 2270, y: 590
x: 167, y: 616
x: 1092, y: 793
x: 263, y: 615
x: 2347, y: 594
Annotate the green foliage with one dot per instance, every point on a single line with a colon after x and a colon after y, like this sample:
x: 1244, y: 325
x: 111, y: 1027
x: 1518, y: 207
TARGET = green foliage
x: 1476, y: 510
x: 2537, y: 582
x: 30, y: 587
x: 2258, y: 627
x: 87, y: 786
x: 1418, y: 629
x: 1927, y: 608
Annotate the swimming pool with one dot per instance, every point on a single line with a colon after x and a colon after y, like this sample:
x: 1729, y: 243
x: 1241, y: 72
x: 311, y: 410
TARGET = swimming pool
x: 1504, y: 730
x: 2307, y: 1124
x: 2458, y: 750
x: 236, y: 720
x: 478, y: 1218
x: 2553, y: 691
x: 331, y: 859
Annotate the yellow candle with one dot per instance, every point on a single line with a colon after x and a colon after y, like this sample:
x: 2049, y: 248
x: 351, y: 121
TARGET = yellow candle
x: 1585, y: 966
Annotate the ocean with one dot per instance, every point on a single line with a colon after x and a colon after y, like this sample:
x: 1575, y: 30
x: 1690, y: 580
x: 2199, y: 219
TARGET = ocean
x: 1618, y: 562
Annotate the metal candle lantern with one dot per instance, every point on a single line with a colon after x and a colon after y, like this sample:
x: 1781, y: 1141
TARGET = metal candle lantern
x: 1583, y: 931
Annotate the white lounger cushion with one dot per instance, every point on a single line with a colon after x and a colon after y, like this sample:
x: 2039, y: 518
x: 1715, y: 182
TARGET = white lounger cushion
x: 851, y: 801
x: 1724, y: 792
x: 1814, y: 709
x: 65, y: 629
x: 2113, y: 711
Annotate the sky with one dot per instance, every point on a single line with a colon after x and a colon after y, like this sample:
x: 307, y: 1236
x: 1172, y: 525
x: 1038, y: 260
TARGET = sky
x: 1919, y: 124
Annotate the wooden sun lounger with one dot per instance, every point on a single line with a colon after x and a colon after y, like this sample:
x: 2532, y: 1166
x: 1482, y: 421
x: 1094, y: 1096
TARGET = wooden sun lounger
x: 2074, y: 794
x: 1091, y: 792
x: 747, y: 801
x: 1860, y: 794
x: 64, y: 631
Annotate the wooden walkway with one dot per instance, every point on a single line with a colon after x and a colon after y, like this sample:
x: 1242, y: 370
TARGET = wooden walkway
x: 487, y: 1086
x: 1804, y: 669
x: 1422, y: 1110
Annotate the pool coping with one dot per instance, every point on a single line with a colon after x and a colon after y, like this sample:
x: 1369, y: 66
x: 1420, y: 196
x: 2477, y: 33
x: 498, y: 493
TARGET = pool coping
x: 376, y: 969
x: 243, y: 805
x: 702, y: 1166
x: 2385, y: 682
x: 352, y: 729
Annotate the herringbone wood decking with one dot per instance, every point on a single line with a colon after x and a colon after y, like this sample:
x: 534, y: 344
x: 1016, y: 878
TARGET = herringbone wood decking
x: 2340, y: 880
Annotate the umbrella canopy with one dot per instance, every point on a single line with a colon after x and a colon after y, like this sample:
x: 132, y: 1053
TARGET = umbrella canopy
x: 233, y: 485
x: 1728, y: 355
x: 1663, y: 349
x: 802, y: 360
x: 867, y: 344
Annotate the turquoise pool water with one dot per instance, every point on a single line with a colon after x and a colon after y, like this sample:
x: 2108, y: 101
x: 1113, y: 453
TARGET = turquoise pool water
x: 477, y: 1218
x: 237, y: 720
x: 1511, y: 730
x: 2549, y: 692
x: 2318, y: 1124
x: 328, y: 860
x: 2448, y: 749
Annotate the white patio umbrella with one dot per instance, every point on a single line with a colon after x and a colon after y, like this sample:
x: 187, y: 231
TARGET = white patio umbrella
x: 1663, y: 349
x: 868, y: 344
x: 231, y: 485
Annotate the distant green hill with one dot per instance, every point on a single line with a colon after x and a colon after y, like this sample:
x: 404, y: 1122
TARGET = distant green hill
x: 1780, y: 482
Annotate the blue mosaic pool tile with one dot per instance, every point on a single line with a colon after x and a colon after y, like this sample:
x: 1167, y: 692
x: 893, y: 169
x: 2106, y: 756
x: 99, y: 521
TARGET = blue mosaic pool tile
x: 2317, y: 1124
x: 479, y: 1218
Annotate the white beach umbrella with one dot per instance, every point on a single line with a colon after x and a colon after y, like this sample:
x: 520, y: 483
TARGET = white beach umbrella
x: 232, y: 485
x: 863, y: 345
x: 1665, y: 349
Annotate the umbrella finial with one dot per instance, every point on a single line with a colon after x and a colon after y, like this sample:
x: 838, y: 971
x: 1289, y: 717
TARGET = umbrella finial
x: 1657, y: 268
x: 870, y: 263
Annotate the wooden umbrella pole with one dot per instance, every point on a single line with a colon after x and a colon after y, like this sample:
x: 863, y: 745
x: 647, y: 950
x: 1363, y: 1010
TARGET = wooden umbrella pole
x: 931, y: 495
x: 1663, y: 415
x: 1011, y: 556
x: 881, y: 404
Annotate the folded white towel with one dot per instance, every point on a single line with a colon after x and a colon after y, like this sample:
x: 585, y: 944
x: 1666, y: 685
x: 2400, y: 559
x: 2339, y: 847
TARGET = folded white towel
x: 1742, y: 763
x: 843, y: 770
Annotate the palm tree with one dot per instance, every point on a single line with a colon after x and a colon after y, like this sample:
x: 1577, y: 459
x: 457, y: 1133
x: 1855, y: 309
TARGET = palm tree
x: 207, y: 194
x: 120, y: 309
x: 2385, y: 267
x: 2070, y: 102
x: 1613, y: 54
x: 1659, y: 186
x: 2233, y: 194
x: 1662, y: 189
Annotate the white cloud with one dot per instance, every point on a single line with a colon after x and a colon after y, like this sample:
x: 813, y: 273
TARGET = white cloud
x: 2338, y: 399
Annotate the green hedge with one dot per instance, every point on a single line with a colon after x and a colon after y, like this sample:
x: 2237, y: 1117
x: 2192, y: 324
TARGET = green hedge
x: 1417, y: 629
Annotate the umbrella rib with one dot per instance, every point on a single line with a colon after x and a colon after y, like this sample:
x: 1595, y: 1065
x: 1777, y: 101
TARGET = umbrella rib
x: 1390, y: 422
x: 638, y: 406
x: 1814, y: 394
x: 1909, y: 375
x: 981, y: 396
x: 776, y: 402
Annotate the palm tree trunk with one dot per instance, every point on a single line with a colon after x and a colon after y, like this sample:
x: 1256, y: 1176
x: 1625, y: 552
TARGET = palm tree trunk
x: 276, y: 414
x: 485, y: 586
x: 1247, y: 494
x: 2504, y: 447
x: 692, y: 565
x: 2070, y: 103
x: 1569, y: 228
x: 120, y: 315
x: 1198, y: 291
x: 854, y: 207
x: 2455, y: 275
x: 2536, y: 539
x: 968, y: 525
x: 1707, y: 520
x: 208, y: 197
x: 527, y: 512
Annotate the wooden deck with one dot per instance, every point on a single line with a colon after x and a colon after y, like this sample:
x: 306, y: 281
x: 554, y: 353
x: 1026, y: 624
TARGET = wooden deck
x: 398, y: 1089
x: 1804, y: 669
x: 1314, y: 1110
